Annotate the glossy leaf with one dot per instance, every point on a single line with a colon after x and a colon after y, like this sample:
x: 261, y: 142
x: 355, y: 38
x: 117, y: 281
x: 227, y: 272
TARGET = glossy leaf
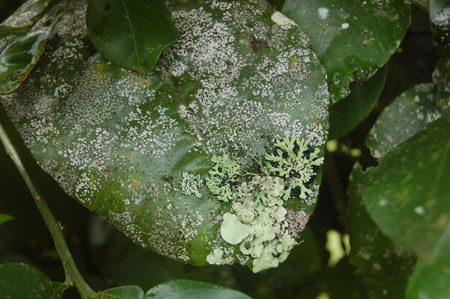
x: 352, y: 38
x: 351, y: 111
x: 5, y: 218
x: 384, y: 268
x: 130, y: 33
x: 27, y: 14
x: 18, y: 280
x: 7, y: 30
x: 192, y: 289
x: 126, y: 292
x: 407, y: 115
x: 406, y: 197
x: 20, y: 57
x: 137, y: 148
x: 407, y: 200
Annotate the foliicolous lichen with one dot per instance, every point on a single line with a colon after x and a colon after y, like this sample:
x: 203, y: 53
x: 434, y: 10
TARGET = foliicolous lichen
x: 258, y: 221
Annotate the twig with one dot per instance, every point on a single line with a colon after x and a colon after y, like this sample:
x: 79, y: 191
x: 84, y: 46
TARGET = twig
x: 73, y: 276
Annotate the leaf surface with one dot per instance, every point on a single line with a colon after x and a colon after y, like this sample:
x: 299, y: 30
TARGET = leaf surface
x: 18, y: 280
x: 351, y: 111
x: 21, y: 55
x: 137, y: 148
x: 352, y: 38
x: 383, y: 266
x: 192, y: 289
x: 130, y: 33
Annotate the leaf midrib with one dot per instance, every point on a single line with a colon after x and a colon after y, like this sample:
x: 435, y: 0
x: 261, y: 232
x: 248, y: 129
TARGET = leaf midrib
x: 133, y: 35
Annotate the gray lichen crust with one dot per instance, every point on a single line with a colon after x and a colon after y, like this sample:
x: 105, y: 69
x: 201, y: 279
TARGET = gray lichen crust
x: 259, y: 221
x: 142, y: 149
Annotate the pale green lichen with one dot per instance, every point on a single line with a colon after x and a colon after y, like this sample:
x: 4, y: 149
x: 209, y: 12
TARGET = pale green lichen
x: 224, y: 172
x: 259, y: 222
x: 191, y: 184
x: 216, y: 258
x: 293, y: 159
x: 232, y: 230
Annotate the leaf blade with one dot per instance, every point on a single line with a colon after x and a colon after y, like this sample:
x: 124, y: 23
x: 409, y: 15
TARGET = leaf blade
x: 131, y: 34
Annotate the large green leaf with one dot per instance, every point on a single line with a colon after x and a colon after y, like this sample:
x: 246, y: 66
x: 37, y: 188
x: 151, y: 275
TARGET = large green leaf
x: 384, y: 268
x: 18, y: 280
x: 351, y: 111
x: 408, y: 200
x: 21, y: 55
x: 130, y: 33
x: 147, y: 151
x: 192, y: 289
x: 352, y: 38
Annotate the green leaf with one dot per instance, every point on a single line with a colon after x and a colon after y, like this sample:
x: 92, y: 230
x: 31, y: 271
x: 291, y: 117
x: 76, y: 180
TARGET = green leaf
x: 18, y: 280
x: 406, y: 196
x: 27, y: 14
x: 384, y: 268
x: 20, y: 57
x: 352, y: 38
x: 407, y: 200
x: 351, y: 111
x: 192, y: 289
x: 138, y: 148
x: 129, y: 291
x: 130, y: 33
x: 440, y: 25
x: 5, y: 218
x: 431, y: 278
x: 7, y: 30
x: 407, y: 115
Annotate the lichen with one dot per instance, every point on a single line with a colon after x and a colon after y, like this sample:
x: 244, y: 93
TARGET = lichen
x: 191, y: 184
x: 224, y: 172
x: 293, y: 159
x: 259, y: 223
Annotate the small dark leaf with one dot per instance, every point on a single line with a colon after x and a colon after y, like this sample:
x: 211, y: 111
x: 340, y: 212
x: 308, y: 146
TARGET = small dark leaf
x: 18, y: 280
x: 130, y: 33
x: 352, y: 38
x: 127, y: 292
x: 5, y: 218
x: 192, y: 289
x: 384, y: 268
x: 351, y: 111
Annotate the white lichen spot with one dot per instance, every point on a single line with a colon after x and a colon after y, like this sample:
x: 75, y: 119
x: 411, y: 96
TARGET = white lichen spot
x: 420, y: 210
x: 281, y: 19
x: 323, y: 12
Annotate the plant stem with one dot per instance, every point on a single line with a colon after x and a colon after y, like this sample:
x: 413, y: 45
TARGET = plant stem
x: 421, y: 5
x: 73, y: 276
